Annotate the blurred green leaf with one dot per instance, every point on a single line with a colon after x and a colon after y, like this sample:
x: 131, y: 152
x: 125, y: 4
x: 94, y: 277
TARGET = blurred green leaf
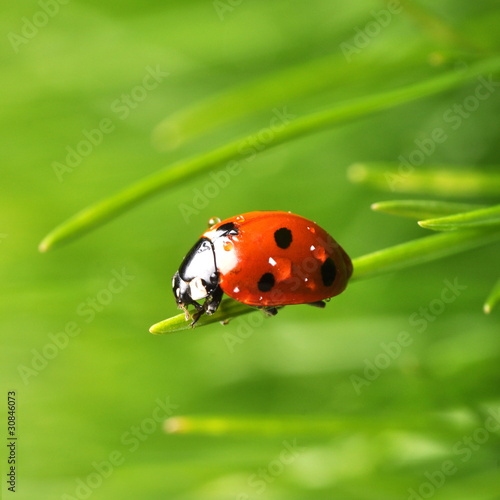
x: 434, y: 180
x: 297, y: 425
x: 493, y: 299
x: 237, y: 103
x: 184, y: 170
x: 437, y: 27
x: 279, y: 89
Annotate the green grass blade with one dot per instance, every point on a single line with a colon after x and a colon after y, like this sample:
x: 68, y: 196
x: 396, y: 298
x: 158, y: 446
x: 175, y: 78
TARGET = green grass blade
x: 297, y: 425
x: 383, y: 261
x: 422, y: 209
x: 228, y: 309
x: 484, y: 217
x: 262, y: 94
x: 258, y: 425
x: 430, y: 180
x: 493, y: 299
x: 420, y: 251
x: 277, y: 89
x: 184, y: 170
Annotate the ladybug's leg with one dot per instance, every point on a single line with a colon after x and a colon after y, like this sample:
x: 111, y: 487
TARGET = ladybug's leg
x: 209, y: 307
x: 195, y: 317
x: 184, y: 307
x: 269, y: 311
x: 213, y: 300
x: 319, y: 304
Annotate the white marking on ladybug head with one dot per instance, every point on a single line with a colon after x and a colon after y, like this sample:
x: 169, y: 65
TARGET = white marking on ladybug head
x: 197, y: 289
x: 226, y: 258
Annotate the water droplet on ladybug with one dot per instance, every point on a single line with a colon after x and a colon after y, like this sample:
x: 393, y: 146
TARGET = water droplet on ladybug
x: 213, y: 220
x: 228, y: 245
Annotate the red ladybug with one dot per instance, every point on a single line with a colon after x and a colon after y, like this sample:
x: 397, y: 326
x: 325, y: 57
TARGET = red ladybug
x: 263, y: 259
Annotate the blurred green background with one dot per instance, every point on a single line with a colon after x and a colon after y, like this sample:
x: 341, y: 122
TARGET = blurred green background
x: 424, y: 423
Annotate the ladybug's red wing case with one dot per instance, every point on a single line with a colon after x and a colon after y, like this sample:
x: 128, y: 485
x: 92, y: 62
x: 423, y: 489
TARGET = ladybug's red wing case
x: 263, y: 259
x: 278, y: 258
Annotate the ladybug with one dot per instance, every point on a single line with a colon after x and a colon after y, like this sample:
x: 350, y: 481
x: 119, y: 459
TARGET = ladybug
x: 265, y: 259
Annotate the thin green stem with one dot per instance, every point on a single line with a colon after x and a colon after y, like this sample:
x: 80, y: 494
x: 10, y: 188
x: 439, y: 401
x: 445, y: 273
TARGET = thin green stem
x: 246, y: 148
x: 484, y: 217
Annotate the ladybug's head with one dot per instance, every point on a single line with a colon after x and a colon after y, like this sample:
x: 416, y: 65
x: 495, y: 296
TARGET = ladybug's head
x: 197, y: 277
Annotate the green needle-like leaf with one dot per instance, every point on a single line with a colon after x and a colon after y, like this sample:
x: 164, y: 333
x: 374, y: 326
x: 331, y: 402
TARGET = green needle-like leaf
x: 383, y: 261
x: 227, y: 310
x: 294, y: 425
x: 277, y: 89
x: 184, y: 170
x: 257, y: 425
x: 435, y: 180
x: 420, y: 251
x: 422, y: 209
x: 484, y: 217
x: 493, y: 298
x: 260, y: 94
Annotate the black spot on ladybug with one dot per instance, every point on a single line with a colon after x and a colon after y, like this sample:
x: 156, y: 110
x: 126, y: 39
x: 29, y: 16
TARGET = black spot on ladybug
x: 266, y: 282
x: 328, y: 272
x: 283, y: 237
x: 227, y: 228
